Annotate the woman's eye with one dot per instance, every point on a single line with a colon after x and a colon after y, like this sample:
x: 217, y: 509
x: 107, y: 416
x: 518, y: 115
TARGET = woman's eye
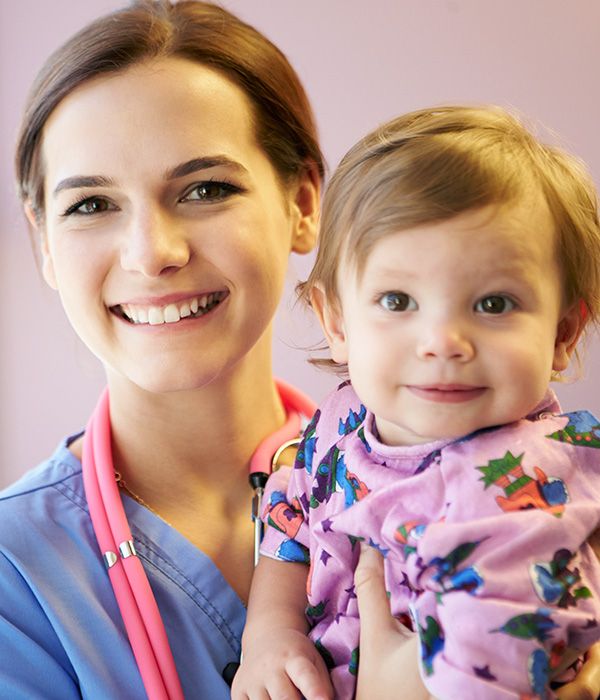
x: 211, y: 191
x: 495, y: 304
x: 89, y: 206
x: 397, y: 301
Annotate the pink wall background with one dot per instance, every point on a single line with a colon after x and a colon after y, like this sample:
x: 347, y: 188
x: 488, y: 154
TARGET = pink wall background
x: 362, y: 63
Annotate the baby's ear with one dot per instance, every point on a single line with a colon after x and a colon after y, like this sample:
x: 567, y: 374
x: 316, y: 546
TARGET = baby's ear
x: 39, y: 230
x: 330, y: 317
x: 568, y: 332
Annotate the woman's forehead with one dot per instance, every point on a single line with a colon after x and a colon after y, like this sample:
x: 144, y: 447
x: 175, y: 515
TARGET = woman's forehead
x: 153, y: 112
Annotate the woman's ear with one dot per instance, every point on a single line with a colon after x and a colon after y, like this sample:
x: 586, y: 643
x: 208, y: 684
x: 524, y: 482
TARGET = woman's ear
x: 39, y: 230
x: 307, y: 199
x: 330, y: 317
x: 569, y: 330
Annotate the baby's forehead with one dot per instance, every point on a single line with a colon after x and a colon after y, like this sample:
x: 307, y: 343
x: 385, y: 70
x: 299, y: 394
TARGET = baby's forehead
x: 511, y: 233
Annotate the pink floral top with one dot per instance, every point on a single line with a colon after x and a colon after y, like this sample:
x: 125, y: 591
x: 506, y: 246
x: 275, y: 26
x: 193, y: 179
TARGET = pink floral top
x: 484, y: 540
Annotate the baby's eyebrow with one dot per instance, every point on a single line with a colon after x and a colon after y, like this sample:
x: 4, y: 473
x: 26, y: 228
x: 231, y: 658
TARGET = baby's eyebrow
x: 393, y: 271
x: 77, y: 181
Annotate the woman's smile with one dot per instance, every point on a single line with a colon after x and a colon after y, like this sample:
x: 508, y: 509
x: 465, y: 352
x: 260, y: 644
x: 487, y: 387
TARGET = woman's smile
x: 169, y: 312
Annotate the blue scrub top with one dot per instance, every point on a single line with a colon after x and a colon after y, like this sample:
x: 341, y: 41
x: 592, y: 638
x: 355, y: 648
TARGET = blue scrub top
x: 61, y: 633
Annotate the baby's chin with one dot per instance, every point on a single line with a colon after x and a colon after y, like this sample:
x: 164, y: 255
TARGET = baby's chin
x: 405, y: 435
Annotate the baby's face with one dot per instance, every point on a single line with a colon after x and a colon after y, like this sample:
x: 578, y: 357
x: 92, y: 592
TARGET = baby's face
x: 455, y: 325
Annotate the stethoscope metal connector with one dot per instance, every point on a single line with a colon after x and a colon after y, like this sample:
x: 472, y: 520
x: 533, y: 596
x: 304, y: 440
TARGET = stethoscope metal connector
x: 257, y: 482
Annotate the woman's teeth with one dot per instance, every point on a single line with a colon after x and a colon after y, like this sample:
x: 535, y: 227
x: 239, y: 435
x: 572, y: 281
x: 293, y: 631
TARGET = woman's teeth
x: 171, y: 313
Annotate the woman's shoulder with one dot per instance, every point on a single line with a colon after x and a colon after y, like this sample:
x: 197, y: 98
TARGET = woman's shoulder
x: 42, y: 494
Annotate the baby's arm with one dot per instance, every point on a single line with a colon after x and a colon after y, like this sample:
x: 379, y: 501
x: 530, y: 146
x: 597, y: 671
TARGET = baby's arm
x: 279, y: 660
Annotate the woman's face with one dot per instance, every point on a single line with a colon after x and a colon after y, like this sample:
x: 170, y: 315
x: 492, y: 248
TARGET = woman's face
x: 167, y: 229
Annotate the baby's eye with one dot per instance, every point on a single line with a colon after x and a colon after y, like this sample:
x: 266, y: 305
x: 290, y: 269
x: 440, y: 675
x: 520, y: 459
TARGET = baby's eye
x: 210, y: 191
x: 495, y: 304
x: 90, y: 206
x: 397, y: 301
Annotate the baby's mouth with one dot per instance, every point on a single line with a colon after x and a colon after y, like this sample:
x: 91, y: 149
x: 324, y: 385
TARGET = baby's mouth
x: 194, y: 307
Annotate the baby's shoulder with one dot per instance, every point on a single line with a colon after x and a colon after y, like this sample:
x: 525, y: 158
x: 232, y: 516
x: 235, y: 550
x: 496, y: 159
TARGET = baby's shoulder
x: 340, y: 413
x: 545, y: 446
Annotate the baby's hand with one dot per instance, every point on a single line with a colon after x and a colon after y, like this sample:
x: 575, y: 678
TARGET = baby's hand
x: 285, y: 665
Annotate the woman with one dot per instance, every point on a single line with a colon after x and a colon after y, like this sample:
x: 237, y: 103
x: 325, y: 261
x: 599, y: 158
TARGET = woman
x: 167, y: 164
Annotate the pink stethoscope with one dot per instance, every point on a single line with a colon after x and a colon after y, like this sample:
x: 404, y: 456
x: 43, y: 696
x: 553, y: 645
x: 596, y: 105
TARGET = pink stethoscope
x: 130, y: 584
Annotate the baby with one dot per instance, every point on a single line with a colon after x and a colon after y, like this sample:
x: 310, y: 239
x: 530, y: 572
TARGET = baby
x: 458, y: 265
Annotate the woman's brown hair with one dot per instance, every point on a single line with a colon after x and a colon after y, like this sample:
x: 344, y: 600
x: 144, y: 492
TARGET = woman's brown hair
x: 199, y: 31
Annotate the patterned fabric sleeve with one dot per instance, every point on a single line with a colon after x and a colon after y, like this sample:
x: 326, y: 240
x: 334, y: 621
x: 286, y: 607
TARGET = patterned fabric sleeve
x: 285, y: 504
x: 287, y: 501
x: 286, y: 533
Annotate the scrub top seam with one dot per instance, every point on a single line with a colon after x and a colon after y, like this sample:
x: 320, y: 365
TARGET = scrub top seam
x: 166, y: 568
x: 72, y: 496
x: 204, y: 603
x: 59, y: 485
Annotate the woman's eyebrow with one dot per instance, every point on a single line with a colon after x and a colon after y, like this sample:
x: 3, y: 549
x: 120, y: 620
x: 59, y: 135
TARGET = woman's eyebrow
x: 196, y: 164
x: 191, y: 166
x: 77, y: 181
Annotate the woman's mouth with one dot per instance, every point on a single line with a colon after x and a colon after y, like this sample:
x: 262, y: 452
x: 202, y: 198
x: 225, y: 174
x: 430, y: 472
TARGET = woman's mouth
x: 155, y: 315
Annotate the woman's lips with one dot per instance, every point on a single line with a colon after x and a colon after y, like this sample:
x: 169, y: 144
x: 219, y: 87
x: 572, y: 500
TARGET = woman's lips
x: 447, y: 393
x: 169, y: 313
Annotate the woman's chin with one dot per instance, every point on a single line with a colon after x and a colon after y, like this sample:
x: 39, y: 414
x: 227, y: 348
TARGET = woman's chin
x: 168, y: 380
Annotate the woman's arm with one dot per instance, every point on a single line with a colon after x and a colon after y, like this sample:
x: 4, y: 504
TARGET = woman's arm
x: 388, y: 666
x: 587, y: 684
x: 33, y: 662
x: 278, y: 657
x: 388, y: 651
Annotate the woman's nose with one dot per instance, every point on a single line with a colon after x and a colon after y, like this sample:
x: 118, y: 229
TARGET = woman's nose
x: 447, y: 341
x: 154, y: 244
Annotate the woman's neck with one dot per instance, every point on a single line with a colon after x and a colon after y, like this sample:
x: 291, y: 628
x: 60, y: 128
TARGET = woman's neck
x: 203, y: 437
x: 185, y: 455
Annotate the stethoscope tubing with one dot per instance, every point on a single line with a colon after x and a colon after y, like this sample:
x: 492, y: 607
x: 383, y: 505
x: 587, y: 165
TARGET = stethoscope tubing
x: 297, y: 404
x: 130, y: 584
x: 135, y: 599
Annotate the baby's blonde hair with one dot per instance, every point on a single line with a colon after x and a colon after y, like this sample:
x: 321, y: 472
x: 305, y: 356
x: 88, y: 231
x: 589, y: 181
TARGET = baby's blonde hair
x: 433, y: 164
